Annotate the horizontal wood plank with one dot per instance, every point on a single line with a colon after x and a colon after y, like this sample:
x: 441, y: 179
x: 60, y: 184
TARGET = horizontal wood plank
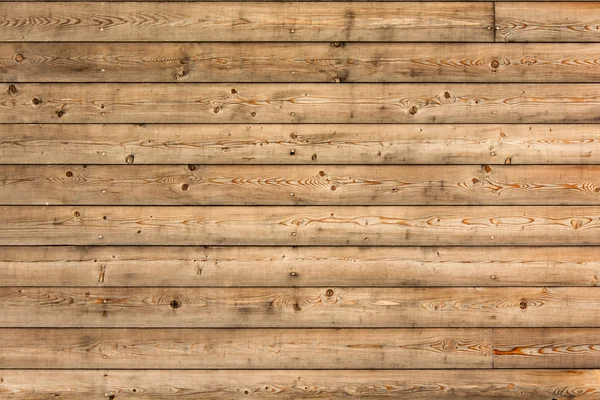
x: 108, y: 266
x: 246, y: 21
x: 299, y: 103
x: 302, y: 225
x: 298, y: 62
x: 300, y: 144
x: 299, y: 307
x: 300, y: 185
x: 302, y: 384
x: 548, y: 22
x: 546, y: 348
x: 245, y: 348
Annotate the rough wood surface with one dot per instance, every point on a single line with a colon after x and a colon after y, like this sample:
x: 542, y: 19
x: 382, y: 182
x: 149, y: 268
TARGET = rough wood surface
x: 546, y: 348
x: 300, y: 185
x: 327, y: 307
x: 245, y: 348
x: 298, y: 62
x: 108, y: 266
x: 299, y: 144
x: 302, y: 225
x: 299, y: 103
x: 547, y: 22
x: 302, y: 384
x: 246, y: 21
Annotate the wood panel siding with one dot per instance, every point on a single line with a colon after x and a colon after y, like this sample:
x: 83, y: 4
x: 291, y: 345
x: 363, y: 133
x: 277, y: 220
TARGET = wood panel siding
x: 247, y: 21
x: 303, y: 384
x: 300, y: 103
x: 121, y: 266
x: 295, y: 200
x: 300, y: 144
x: 298, y: 62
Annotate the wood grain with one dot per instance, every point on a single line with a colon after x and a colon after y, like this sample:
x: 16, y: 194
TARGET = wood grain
x: 303, y: 225
x: 108, y: 266
x: 245, y: 348
x: 299, y: 62
x: 300, y: 185
x: 547, y: 22
x: 300, y: 103
x: 299, y: 144
x: 328, y: 307
x: 546, y: 348
x: 246, y: 21
x: 302, y: 384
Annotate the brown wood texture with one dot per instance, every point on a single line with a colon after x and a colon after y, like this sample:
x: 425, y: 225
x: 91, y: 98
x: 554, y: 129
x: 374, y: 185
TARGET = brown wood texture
x: 246, y: 21
x: 300, y: 103
x: 300, y: 144
x: 300, y: 185
x: 547, y: 22
x: 180, y: 266
x: 298, y: 62
x: 327, y: 307
x: 246, y: 348
x: 302, y: 225
x: 302, y: 384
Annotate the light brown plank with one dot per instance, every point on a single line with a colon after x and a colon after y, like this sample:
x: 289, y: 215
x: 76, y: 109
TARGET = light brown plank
x: 245, y: 348
x: 108, y: 266
x: 303, y: 225
x: 300, y: 103
x: 547, y: 348
x: 548, y: 22
x: 300, y: 185
x: 303, y: 384
x: 300, y: 307
x: 299, y: 144
x: 246, y: 21
x: 298, y: 62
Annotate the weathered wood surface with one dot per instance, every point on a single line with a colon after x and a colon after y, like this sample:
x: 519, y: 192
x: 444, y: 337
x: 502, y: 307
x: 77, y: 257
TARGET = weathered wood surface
x: 302, y: 225
x: 298, y: 266
x: 302, y: 384
x: 298, y: 62
x: 299, y: 144
x: 300, y: 185
x: 547, y: 22
x: 547, y: 348
x: 300, y: 307
x: 300, y: 103
x: 245, y: 348
x: 247, y: 21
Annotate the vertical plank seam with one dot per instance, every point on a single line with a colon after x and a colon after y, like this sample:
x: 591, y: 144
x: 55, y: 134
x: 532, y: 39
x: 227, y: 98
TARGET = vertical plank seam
x: 495, y: 24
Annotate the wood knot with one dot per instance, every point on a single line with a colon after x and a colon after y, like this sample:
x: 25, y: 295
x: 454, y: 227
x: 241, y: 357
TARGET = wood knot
x: 447, y: 95
x: 293, y: 135
x: 576, y: 224
x: 36, y: 101
x: 253, y: 114
x: 19, y: 58
x: 413, y: 110
x: 129, y: 159
x: 184, y: 187
x: 216, y: 109
x: 475, y: 180
x: 329, y: 292
x: 69, y: 174
x: 77, y: 214
x: 495, y: 64
x: 60, y: 113
x: 333, y: 187
x: 337, y: 44
x: 297, y: 307
x: 293, y: 273
x: 12, y: 90
x: 314, y: 157
x: 192, y: 167
x: 487, y: 169
x: 321, y: 173
x: 233, y: 91
x: 175, y: 304
x: 508, y: 160
x: 336, y: 79
x: 523, y: 304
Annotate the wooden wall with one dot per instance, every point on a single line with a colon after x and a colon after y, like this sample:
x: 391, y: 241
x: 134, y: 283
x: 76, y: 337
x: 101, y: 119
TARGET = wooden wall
x: 299, y: 200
